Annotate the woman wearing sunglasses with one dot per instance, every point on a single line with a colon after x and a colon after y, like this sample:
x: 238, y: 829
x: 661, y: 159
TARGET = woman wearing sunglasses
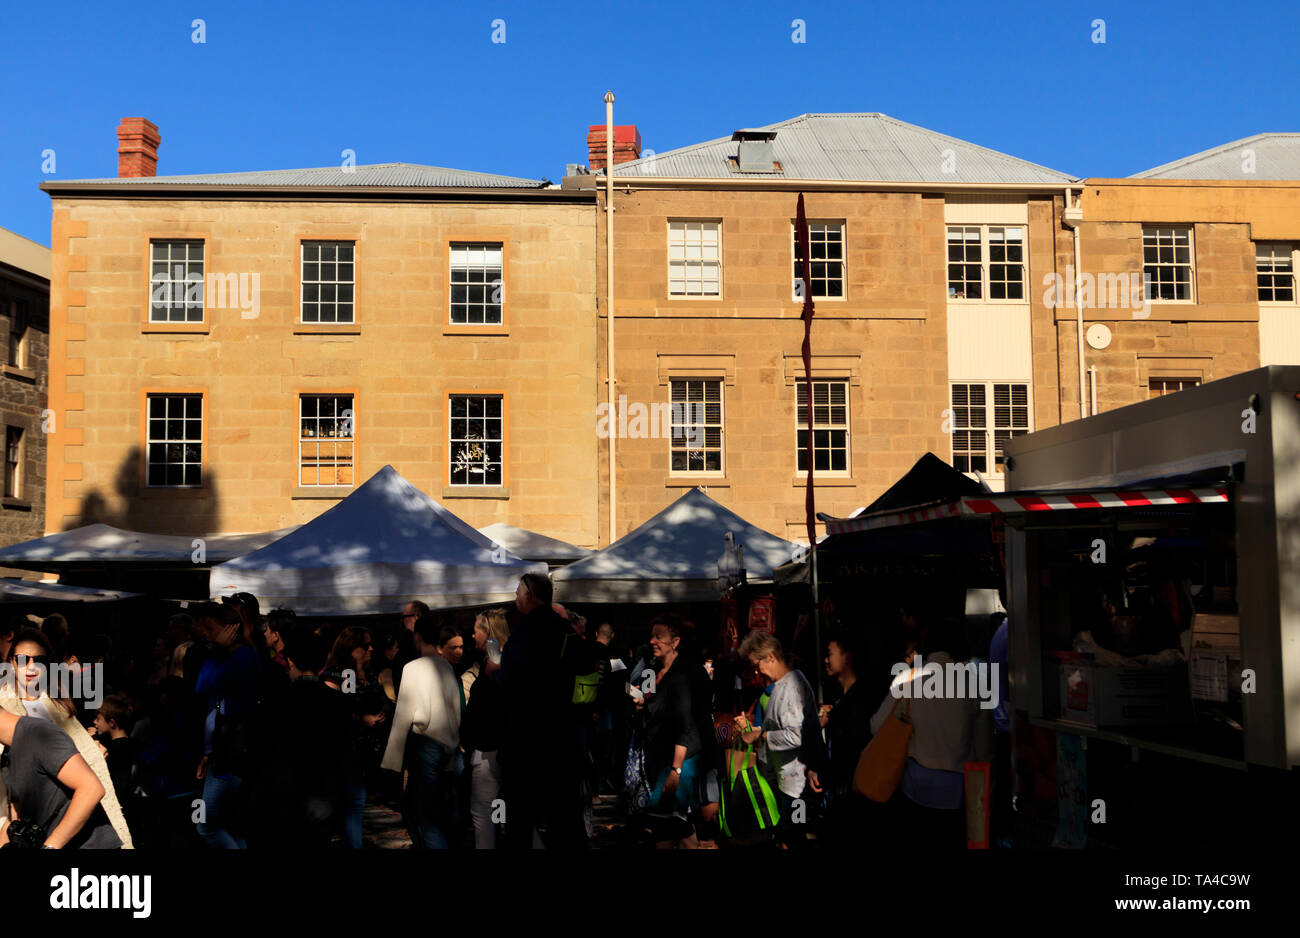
x: 24, y: 692
x: 348, y: 670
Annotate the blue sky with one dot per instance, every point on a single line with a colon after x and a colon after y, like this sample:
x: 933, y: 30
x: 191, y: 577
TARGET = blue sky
x: 279, y: 85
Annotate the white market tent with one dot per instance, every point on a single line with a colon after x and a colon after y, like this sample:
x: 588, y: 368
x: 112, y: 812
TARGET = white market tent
x: 673, y: 557
x: 29, y: 591
x: 385, y: 544
x: 533, y: 546
x: 103, y: 544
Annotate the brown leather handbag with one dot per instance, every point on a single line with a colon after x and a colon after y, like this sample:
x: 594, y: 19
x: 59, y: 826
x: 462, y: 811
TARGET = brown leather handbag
x: 880, y: 767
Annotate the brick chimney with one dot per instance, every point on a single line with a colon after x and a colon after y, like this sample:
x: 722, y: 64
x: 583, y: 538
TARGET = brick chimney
x: 627, y: 145
x: 137, y: 148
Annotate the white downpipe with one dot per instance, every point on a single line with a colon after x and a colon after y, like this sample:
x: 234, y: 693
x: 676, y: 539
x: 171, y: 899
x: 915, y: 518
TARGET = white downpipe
x: 1071, y: 217
x: 1092, y: 375
x: 609, y: 308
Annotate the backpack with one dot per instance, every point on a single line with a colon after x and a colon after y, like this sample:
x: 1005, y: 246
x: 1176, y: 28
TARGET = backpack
x: 581, y: 662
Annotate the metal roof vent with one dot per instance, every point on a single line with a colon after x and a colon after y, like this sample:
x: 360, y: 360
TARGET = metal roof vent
x: 755, y: 153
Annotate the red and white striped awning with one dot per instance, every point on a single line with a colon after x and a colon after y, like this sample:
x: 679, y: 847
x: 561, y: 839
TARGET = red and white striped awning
x: 1023, y: 502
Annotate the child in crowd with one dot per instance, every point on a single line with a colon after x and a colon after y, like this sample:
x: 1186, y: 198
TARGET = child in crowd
x: 112, y: 728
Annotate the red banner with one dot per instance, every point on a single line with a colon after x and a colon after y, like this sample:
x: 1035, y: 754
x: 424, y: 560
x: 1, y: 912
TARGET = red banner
x: 762, y: 614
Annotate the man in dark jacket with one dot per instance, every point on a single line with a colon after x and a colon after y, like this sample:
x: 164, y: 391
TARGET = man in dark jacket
x: 309, y: 732
x: 407, y: 652
x: 540, y: 752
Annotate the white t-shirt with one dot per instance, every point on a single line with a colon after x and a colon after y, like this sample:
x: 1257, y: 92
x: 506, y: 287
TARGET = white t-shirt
x: 36, y: 708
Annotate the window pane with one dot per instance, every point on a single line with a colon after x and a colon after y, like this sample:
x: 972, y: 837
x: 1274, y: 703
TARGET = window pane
x: 482, y: 266
x: 694, y: 259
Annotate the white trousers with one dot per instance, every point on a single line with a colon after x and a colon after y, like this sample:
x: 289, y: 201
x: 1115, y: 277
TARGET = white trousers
x: 484, y: 788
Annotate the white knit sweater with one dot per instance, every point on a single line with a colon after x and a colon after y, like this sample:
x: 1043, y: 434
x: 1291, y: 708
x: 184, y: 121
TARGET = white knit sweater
x: 428, y: 703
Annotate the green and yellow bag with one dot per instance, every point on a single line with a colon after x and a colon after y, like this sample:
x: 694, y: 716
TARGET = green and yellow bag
x: 746, y: 802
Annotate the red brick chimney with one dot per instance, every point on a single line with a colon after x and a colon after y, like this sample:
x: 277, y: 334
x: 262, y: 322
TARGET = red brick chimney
x: 627, y: 145
x: 137, y: 148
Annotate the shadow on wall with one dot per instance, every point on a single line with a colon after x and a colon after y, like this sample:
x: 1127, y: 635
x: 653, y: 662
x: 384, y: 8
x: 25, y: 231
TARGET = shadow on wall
x: 190, y: 512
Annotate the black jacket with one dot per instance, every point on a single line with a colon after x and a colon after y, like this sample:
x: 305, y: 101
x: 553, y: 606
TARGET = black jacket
x: 536, y: 686
x: 848, y: 730
x: 670, y: 720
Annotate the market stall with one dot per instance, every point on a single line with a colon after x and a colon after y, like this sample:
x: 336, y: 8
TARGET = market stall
x: 100, y: 556
x: 385, y: 544
x: 672, y: 557
x: 533, y: 546
x: 1154, y: 609
x: 910, y: 557
x: 31, y: 592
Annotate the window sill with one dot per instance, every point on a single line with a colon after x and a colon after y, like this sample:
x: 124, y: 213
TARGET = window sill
x: 311, y: 328
x: 13, y: 371
x: 703, y: 481
x: 17, y: 504
x: 955, y: 301
x: 479, y: 329
x: 177, y: 328
x: 475, y: 491
x: 321, y: 491
x: 821, y: 478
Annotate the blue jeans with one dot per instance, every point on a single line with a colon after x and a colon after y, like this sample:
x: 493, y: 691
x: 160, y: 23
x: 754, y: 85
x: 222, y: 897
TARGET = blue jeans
x: 354, y: 804
x: 430, y: 793
x: 222, y: 803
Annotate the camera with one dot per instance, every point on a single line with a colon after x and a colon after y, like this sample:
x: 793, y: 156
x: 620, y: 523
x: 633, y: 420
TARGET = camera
x: 25, y: 835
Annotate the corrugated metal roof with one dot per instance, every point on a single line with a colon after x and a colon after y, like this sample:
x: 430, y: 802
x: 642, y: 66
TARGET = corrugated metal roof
x: 397, y: 175
x: 1275, y: 157
x: 853, y: 148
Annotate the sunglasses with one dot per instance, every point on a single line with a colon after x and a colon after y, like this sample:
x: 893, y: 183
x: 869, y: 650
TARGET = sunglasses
x: 23, y: 660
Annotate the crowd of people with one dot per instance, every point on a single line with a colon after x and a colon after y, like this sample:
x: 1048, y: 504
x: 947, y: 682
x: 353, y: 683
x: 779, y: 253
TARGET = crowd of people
x: 239, y: 730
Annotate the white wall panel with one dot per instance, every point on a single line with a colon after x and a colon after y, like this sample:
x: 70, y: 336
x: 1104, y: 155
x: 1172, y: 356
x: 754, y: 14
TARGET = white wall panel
x: 989, y: 342
x: 1279, y: 336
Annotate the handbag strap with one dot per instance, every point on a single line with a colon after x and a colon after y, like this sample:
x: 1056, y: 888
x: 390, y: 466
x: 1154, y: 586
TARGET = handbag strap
x: 911, y: 675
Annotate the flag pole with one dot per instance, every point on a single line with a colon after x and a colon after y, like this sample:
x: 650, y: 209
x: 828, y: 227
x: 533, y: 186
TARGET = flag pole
x: 810, y: 501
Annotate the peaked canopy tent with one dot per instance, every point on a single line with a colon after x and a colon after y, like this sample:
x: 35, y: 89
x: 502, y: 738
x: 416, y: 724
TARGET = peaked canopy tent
x: 673, y: 557
x: 97, y: 545
x: 930, y: 482
x: 27, y: 591
x: 533, y: 546
x: 385, y: 544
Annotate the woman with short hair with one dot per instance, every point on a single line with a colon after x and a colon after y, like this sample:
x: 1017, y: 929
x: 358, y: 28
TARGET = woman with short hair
x: 789, y: 740
x: 672, y: 739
